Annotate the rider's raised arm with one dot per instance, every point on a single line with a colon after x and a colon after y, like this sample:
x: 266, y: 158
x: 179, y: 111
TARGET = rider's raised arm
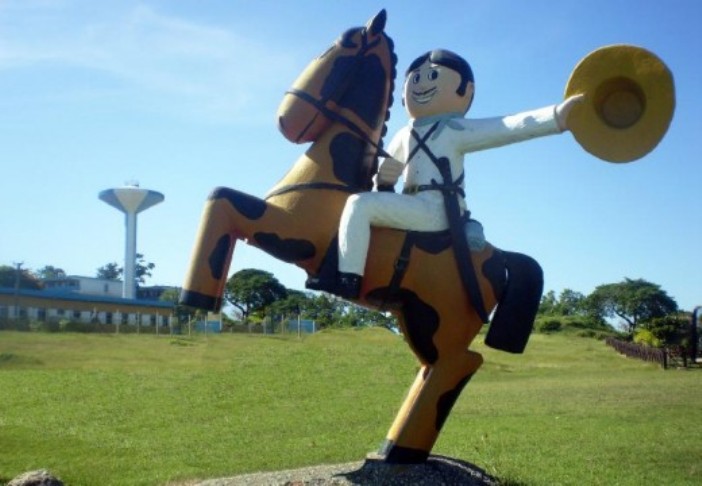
x: 485, y: 133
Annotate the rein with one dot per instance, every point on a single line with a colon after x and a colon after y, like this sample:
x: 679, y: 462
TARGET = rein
x: 337, y: 117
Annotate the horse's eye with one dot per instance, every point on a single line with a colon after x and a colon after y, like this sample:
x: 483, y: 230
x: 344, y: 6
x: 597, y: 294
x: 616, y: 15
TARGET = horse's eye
x: 433, y: 74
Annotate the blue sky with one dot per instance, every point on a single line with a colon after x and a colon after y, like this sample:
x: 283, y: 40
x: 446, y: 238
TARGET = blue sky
x: 182, y: 97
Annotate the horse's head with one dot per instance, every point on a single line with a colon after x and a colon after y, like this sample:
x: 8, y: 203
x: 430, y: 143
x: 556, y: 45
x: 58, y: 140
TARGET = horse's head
x: 351, y: 82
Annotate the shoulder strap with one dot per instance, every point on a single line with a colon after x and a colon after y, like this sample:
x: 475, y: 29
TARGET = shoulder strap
x: 461, y: 250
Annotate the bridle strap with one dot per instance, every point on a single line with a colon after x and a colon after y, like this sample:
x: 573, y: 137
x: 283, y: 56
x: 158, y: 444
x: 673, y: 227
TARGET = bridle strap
x: 337, y: 117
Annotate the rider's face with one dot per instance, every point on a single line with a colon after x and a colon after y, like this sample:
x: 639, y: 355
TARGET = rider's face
x: 431, y: 90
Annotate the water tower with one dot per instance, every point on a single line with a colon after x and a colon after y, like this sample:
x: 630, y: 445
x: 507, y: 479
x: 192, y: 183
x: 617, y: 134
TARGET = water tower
x: 131, y: 200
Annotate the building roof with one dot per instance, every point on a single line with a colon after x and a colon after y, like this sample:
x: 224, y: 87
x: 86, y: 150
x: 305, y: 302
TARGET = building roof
x: 76, y: 297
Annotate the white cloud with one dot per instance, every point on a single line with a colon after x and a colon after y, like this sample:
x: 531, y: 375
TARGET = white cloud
x: 170, y: 62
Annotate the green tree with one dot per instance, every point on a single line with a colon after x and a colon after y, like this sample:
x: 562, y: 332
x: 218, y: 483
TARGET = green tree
x: 549, y: 304
x: 252, y: 291
x: 323, y: 309
x: 353, y: 315
x: 294, y: 304
x: 143, y: 269
x: 634, y: 301
x: 50, y: 272
x: 568, y: 303
x: 13, y: 276
x: 673, y: 329
x: 571, y: 303
x: 112, y: 271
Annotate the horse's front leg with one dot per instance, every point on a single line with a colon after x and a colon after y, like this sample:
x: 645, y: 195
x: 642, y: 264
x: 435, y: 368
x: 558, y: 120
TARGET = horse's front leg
x: 231, y: 215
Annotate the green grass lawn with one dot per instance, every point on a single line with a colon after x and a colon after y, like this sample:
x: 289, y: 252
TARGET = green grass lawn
x: 142, y: 409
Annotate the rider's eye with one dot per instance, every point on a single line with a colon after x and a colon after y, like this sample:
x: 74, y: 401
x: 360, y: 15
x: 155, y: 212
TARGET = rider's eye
x: 415, y: 78
x: 433, y: 74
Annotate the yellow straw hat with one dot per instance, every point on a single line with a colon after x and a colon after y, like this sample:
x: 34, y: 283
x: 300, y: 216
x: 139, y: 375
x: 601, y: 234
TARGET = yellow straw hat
x: 629, y: 102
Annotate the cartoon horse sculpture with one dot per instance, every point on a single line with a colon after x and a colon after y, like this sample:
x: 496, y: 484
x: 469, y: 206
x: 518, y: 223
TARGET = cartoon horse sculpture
x: 341, y: 103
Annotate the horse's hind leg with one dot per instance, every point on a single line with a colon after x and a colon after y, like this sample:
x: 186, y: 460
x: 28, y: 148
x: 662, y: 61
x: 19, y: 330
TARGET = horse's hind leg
x: 428, y: 403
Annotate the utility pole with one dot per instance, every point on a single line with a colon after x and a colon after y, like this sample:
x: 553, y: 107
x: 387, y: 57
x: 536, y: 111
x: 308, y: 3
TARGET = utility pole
x: 18, y: 273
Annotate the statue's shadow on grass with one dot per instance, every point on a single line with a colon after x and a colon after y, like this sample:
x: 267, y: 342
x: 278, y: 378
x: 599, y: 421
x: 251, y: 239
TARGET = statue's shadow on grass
x: 437, y: 470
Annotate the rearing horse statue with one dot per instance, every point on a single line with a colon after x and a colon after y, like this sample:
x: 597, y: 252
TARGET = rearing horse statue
x: 341, y: 103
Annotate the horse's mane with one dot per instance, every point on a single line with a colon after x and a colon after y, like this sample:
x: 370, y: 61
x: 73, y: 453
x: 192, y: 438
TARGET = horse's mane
x: 393, y: 75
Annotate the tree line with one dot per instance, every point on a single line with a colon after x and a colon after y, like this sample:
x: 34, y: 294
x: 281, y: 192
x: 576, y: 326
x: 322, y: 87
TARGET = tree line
x: 24, y: 278
x: 634, y: 302
x: 636, y: 305
x: 257, y: 295
x: 642, y: 311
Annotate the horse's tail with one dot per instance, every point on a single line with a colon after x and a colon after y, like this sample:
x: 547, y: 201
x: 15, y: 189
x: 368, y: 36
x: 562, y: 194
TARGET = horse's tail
x: 513, y: 320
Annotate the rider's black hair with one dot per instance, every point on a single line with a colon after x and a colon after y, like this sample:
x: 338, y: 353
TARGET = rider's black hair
x: 451, y: 60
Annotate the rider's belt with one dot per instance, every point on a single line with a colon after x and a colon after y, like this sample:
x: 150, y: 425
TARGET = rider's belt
x: 412, y: 190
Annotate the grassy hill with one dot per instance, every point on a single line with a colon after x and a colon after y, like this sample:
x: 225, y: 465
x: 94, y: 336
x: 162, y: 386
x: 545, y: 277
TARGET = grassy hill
x: 138, y: 409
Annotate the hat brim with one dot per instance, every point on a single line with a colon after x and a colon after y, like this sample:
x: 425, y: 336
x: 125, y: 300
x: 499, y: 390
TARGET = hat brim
x: 629, y: 102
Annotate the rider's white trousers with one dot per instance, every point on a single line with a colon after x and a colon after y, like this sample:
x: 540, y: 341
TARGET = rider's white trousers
x: 421, y: 212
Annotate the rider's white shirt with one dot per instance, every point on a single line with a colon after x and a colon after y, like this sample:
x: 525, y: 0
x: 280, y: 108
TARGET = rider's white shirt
x: 458, y: 136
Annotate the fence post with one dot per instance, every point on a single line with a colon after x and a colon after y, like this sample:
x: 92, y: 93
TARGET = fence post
x: 694, y: 337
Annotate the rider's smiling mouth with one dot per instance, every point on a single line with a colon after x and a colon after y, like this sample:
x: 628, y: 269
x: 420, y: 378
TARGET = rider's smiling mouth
x: 424, y: 96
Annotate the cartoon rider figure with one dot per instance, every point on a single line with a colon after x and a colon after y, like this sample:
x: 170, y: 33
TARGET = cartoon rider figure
x: 428, y: 153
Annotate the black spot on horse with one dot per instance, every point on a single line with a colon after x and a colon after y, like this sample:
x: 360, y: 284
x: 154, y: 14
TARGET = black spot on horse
x: 249, y: 206
x: 219, y: 256
x: 358, y: 84
x: 421, y: 321
x: 433, y: 242
x: 447, y: 400
x: 347, y: 152
x: 289, y: 250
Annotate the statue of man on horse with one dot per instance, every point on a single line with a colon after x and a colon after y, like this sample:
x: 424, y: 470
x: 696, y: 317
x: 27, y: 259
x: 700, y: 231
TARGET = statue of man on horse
x: 417, y: 254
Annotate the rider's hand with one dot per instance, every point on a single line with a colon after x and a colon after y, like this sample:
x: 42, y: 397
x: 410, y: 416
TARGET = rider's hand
x: 563, y: 109
x: 389, y: 171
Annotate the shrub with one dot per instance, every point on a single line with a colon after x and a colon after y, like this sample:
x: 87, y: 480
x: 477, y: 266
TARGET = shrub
x: 75, y: 326
x: 644, y: 336
x: 669, y: 330
x: 21, y: 325
x: 44, y: 326
x: 592, y: 333
x: 549, y: 325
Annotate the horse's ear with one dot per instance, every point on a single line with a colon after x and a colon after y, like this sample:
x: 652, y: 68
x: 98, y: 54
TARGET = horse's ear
x: 377, y: 23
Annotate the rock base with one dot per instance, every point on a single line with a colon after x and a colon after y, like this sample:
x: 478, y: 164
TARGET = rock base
x: 36, y: 478
x: 437, y: 470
